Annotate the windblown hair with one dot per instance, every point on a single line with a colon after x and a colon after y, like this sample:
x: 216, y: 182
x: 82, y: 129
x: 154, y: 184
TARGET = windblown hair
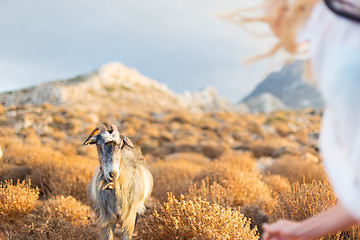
x: 285, y: 17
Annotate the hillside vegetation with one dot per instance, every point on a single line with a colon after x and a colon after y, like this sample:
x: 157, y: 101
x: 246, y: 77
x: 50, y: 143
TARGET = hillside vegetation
x: 216, y: 175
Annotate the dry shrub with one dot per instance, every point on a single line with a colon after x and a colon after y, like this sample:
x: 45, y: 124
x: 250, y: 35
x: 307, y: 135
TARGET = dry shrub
x: 282, y: 128
x: 54, y: 229
x: 302, y: 136
x: 66, y: 148
x: 175, y: 175
x: 58, y: 218
x: 248, y: 188
x: 52, y: 171
x: 237, y: 161
x: 67, y: 208
x: 254, y: 127
x: 196, y: 219
x: 256, y: 215
x: 16, y: 200
x: 235, y: 172
x: 304, y: 200
x: 32, y: 139
x: 280, y: 123
x: 15, y: 173
x: 296, y: 169
x: 63, y: 175
x: 274, y: 147
x: 277, y: 183
x: 213, y: 193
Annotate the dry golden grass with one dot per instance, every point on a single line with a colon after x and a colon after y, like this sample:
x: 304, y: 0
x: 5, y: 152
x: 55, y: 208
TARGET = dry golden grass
x: 277, y: 183
x: 175, y: 175
x: 213, y: 193
x: 237, y: 175
x: 53, y: 172
x: 16, y: 200
x: 196, y: 219
x: 295, y: 169
x: 58, y: 218
x: 304, y: 200
x: 23, y: 217
x: 274, y: 147
x: 256, y: 215
x: 254, y: 127
x: 248, y: 188
x: 68, y: 209
x: 56, y: 163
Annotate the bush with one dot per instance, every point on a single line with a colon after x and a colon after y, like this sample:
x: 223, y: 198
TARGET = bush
x: 196, y: 219
x: 296, y: 169
x: 53, y: 172
x: 257, y: 217
x: 57, y: 218
x: 304, y: 200
x: 68, y: 209
x: 174, y: 175
x: 277, y: 183
x: 274, y: 147
x: 213, y: 193
x: 242, y: 183
x: 16, y: 200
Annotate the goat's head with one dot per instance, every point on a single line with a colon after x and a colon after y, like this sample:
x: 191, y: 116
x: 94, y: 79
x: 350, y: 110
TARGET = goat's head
x: 109, y: 145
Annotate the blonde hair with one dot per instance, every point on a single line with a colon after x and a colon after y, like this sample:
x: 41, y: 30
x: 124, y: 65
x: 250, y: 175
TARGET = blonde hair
x: 285, y: 17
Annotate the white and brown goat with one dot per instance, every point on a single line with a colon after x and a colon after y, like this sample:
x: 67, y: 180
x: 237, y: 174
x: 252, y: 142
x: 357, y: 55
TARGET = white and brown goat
x: 121, y: 184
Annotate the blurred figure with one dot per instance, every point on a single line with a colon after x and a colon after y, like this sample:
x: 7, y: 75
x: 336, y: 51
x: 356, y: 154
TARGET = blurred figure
x: 331, y: 29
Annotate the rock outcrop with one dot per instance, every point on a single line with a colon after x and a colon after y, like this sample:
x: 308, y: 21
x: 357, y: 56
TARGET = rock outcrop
x: 265, y: 103
x: 206, y: 100
x: 289, y: 87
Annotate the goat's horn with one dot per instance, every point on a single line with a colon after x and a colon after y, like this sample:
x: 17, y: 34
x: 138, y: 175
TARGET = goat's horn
x: 113, y: 128
x: 100, y: 128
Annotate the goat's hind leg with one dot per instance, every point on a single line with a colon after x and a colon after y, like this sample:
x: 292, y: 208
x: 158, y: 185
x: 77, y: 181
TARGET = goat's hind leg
x: 107, y: 231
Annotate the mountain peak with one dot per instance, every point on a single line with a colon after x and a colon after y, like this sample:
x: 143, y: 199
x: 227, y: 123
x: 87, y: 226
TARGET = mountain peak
x: 115, y: 87
x: 289, y: 87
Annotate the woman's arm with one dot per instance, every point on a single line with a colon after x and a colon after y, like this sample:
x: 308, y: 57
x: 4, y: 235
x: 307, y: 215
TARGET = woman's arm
x: 332, y: 220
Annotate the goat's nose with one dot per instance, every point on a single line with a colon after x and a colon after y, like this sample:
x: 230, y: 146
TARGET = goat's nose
x: 112, y: 175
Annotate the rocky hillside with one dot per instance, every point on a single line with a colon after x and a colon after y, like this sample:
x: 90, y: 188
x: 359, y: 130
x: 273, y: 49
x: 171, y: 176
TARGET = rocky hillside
x: 115, y: 87
x: 288, y: 89
x: 204, y: 165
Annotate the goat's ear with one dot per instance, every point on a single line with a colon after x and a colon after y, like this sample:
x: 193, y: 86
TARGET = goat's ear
x: 91, y: 139
x: 127, y: 142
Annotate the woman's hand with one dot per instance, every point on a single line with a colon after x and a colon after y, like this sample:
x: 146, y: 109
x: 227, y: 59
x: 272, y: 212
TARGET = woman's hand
x: 282, y: 230
x: 332, y: 220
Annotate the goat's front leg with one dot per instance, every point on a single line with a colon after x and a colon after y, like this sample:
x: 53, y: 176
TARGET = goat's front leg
x: 126, y: 234
x: 107, y: 231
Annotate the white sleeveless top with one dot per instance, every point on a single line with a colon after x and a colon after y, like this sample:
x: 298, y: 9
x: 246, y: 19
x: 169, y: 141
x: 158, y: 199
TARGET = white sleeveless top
x: 335, y: 58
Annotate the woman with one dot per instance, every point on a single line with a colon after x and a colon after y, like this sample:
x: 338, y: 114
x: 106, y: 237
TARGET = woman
x: 333, y: 36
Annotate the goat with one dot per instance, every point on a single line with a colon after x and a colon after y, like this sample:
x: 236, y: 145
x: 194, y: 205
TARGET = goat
x: 121, y: 184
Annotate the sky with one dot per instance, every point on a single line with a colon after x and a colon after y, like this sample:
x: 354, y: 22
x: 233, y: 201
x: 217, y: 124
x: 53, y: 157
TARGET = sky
x: 183, y: 44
